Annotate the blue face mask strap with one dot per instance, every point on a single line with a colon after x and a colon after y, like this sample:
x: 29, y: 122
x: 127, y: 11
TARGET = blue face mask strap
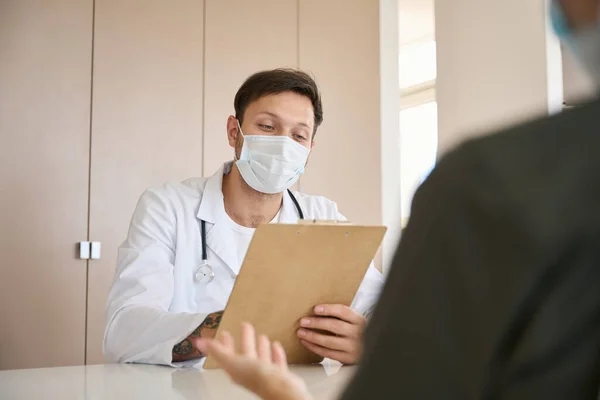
x: 559, y: 20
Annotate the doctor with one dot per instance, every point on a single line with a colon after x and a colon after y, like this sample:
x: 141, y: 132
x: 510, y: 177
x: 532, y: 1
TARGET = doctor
x: 186, y: 243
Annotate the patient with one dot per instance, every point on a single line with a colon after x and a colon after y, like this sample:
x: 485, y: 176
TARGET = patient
x: 494, y: 292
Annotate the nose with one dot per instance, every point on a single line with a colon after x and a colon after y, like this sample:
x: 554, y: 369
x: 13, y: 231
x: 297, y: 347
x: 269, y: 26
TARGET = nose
x: 284, y: 132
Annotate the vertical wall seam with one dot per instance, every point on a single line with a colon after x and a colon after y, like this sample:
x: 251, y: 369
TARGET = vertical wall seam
x: 89, y: 199
x: 298, y: 34
x: 203, y: 142
x: 298, y: 59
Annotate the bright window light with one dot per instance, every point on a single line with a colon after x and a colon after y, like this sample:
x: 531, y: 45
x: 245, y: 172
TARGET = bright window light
x: 417, y: 63
x: 418, y: 149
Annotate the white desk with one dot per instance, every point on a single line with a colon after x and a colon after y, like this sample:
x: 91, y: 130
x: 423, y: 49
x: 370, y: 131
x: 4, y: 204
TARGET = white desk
x: 151, y: 382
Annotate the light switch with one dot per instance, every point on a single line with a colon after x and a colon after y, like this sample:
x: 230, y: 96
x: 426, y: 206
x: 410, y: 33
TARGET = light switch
x: 96, y: 247
x: 84, y: 250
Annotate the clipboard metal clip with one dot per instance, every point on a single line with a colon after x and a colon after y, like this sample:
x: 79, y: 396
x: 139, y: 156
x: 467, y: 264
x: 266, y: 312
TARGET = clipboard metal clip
x: 323, y: 222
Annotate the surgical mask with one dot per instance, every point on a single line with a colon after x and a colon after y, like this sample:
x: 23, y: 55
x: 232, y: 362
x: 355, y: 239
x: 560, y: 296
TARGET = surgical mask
x: 271, y: 164
x: 584, y: 42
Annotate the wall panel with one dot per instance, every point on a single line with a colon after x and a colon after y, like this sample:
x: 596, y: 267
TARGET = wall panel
x: 339, y: 44
x: 242, y: 37
x: 147, y: 122
x: 45, y: 53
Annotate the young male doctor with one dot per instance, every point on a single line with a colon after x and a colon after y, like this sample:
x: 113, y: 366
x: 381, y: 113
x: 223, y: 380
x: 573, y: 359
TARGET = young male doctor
x: 186, y: 242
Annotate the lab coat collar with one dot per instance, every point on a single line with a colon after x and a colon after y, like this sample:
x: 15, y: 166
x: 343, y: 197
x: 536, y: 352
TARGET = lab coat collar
x: 211, y: 207
x: 289, y: 213
x: 212, y: 211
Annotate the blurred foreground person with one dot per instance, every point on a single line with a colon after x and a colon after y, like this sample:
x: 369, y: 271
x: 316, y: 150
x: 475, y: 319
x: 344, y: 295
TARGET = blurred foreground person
x: 495, y: 288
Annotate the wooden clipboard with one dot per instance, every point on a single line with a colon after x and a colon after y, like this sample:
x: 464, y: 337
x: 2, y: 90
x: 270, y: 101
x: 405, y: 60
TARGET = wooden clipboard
x: 289, y: 269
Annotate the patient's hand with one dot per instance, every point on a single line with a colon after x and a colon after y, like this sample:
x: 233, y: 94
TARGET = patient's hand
x: 261, y: 367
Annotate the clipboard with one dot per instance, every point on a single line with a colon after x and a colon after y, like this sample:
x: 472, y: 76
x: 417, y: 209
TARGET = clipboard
x: 289, y: 269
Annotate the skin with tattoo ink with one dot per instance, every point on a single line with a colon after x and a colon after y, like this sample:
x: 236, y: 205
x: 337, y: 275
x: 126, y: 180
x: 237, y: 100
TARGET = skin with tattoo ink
x: 212, y: 321
x: 187, y: 349
x: 183, y: 348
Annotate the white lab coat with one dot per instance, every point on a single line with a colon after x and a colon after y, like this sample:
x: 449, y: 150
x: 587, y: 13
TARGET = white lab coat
x: 154, y: 302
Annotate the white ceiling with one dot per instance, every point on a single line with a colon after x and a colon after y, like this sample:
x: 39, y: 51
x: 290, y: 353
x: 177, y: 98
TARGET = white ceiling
x: 416, y: 20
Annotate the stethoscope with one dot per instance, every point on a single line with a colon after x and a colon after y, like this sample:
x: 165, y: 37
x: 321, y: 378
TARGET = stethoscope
x: 204, y: 272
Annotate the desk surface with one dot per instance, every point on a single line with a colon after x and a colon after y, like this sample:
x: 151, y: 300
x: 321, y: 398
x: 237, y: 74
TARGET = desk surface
x: 151, y: 382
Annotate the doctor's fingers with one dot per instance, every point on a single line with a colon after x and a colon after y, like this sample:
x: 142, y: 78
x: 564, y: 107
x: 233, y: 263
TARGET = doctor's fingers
x: 328, y: 341
x: 341, y: 356
x: 340, y: 311
x: 333, y: 325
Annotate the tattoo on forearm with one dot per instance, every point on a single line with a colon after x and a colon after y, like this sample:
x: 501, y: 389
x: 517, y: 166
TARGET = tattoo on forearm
x: 211, y: 321
x: 184, y: 348
x: 197, y: 332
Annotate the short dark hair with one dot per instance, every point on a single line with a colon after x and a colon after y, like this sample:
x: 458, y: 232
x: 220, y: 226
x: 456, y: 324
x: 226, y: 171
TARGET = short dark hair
x: 278, y: 81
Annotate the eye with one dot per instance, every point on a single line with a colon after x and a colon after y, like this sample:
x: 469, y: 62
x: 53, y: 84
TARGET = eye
x: 298, y: 137
x: 266, y: 127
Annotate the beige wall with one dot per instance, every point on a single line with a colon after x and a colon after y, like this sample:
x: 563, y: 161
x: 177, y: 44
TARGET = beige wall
x: 147, y: 113
x: 344, y: 57
x: 237, y: 46
x: 160, y: 84
x: 45, y: 52
x: 305, y: 34
x: 497, y: 64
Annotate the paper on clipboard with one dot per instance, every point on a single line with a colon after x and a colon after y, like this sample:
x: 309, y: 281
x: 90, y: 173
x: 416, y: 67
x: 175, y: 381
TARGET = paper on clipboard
x: 289, y: 269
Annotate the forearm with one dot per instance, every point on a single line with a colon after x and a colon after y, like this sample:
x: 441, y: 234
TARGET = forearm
x: 144, y: 334
x: 368, y: 292
x: 186, y: 349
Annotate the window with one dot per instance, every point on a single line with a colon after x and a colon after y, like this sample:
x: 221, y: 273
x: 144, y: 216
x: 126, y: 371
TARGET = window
x: 418, y: 117
x: 418, y: 149
x: 417, y: 64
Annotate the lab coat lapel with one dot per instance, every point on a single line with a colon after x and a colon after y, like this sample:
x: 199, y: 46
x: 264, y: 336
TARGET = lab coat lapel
x: 289, y: 213
x: 218, y: 235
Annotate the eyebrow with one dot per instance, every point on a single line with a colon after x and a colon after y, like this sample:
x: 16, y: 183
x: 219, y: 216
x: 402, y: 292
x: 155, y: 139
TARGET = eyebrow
x: 277, y: 116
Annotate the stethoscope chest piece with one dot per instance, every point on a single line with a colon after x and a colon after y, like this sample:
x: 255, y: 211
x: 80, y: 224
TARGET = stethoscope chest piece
x: 204, y: 273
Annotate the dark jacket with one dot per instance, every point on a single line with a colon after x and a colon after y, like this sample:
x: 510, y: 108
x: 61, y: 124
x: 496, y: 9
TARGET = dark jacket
x: 494, y: 292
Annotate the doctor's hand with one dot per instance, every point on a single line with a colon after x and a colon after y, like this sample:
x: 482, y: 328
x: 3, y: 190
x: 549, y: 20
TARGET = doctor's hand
x: 335, y: 332
x: 261, y: 367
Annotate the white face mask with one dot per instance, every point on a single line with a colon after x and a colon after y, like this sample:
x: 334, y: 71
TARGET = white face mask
x: 584, y: 42
x: 271, y: 164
